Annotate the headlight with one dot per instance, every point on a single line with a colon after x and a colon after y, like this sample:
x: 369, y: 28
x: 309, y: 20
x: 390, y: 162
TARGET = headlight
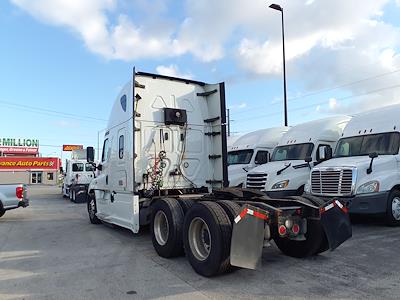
x: 307, y: 188
x: 280, y: 184
x: 369, y: 187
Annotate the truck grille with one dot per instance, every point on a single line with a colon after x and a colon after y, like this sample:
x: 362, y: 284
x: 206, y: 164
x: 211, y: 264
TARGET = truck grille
x: 256, y: 181
x: 332, y: 182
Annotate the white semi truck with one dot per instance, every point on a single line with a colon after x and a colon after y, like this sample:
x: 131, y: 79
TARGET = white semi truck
x: 302, y: 147
x: 78, y: 174
x: 164, y: 164
x: 251, y: 150
x: 365, y: 168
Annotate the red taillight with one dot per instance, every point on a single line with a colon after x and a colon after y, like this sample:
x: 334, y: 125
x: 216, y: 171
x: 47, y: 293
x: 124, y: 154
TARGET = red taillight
x: 19, y: 192
x: 296, y: 229
x: 282, y: 230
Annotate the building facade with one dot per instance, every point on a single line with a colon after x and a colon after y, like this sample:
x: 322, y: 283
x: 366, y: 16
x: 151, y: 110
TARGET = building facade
x: 20, y: 163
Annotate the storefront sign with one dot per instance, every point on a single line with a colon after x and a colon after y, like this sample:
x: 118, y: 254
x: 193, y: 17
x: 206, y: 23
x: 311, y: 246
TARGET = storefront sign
x: 19, y: 150
x: 10, y: 142
x: 72, y: 147
x: 29, y: 163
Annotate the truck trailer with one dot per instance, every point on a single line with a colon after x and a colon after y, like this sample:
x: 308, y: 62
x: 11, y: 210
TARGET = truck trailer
x: 164, y: 164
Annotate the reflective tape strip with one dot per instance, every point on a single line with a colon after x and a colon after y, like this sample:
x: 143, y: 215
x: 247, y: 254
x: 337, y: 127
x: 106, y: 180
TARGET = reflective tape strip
x: 342, y: 207
x: 250, y: 212
x: 328, y: 207
x: 260, y: 215
x: 241, y: 215
x: 339, y: 204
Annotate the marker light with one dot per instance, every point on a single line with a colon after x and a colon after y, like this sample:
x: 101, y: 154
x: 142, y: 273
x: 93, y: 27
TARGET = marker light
x: 296, y: 229
x: 282, y: 230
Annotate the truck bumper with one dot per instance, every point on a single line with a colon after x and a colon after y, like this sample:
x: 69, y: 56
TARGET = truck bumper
x: 80, y: 192
x: 23, y: 203
x: 282, y: 194
x: 375, y: 203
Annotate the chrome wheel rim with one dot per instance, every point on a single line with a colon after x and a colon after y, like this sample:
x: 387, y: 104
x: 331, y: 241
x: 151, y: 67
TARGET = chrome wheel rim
x: 92, y: 208
x: 199, y: 239
x: 396, y: 208
x: 161, y: 228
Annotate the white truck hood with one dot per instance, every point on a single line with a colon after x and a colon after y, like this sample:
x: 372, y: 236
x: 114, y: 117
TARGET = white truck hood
x: 297, y: 176
x: 382, y: 166
x: 360, y: 162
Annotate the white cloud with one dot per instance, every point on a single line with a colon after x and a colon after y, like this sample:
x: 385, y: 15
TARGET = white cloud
x: 238, y: 106
x: 333, y: 103
x: 328, y: 43
x: 173, y: 71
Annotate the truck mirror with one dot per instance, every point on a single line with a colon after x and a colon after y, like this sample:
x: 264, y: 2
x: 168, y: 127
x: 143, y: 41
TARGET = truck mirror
x: 321, y: 153
x: 90, y: 154
x: 373, y: 155
x: 324, y: 153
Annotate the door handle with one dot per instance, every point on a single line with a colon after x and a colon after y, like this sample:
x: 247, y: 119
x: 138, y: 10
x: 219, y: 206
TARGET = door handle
x: 112, y: 196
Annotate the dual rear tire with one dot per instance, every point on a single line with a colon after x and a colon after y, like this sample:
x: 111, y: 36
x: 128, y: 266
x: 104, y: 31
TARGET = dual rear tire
x: 201, y: 230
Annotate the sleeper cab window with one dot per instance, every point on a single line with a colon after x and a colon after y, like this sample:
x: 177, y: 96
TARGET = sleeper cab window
x: 121, y: 147
x: 123, y: 102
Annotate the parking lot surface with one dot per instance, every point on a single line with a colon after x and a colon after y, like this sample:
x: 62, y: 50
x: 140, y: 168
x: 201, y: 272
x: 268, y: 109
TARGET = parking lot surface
x: 51, y: 251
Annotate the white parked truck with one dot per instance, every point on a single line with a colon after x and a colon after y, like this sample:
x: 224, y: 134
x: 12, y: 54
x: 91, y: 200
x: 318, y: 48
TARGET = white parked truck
x: 164, y: 164
x: 365, y: 170
x: 251, y: 150
x: 299, y: 149
x: 78, y: 174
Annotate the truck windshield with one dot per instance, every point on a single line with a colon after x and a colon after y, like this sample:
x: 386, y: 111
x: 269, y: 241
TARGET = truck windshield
x: 89, y: 167
x: 382, y: 144
x: 292, y: 152
x: 240, y: 157
x: 77, y: 167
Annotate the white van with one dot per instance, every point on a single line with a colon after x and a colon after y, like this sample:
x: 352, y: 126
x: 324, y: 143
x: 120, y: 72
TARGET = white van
x: 299, y: 149
x: 251, y: 150
x: 366, y: 165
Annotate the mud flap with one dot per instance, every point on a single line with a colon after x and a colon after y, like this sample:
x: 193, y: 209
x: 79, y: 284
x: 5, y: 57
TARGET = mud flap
x: 335, y: 221
x: 248, y: 237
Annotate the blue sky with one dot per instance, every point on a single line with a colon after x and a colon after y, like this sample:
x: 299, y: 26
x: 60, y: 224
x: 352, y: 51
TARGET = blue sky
x: 73, y: 56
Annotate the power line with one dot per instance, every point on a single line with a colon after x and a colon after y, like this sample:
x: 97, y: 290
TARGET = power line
x: 320, y: 103
x: 325, y: 90
x: 50, y: 112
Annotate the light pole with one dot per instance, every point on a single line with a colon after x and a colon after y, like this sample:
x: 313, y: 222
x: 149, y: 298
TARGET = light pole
x: 279, y: 8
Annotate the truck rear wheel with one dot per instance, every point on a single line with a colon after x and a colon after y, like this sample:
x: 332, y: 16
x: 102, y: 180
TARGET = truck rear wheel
x: 232, y: 209
x: 392, y: 217
x: 2, y: 212
x: 92, y: 209
x: 207, y: 234
x: 313, y: 244
x: 186, y: 204
x: 166, y: 227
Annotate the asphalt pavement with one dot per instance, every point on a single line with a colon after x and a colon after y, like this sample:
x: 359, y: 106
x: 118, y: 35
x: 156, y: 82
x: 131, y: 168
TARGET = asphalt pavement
x: 51, y: 251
